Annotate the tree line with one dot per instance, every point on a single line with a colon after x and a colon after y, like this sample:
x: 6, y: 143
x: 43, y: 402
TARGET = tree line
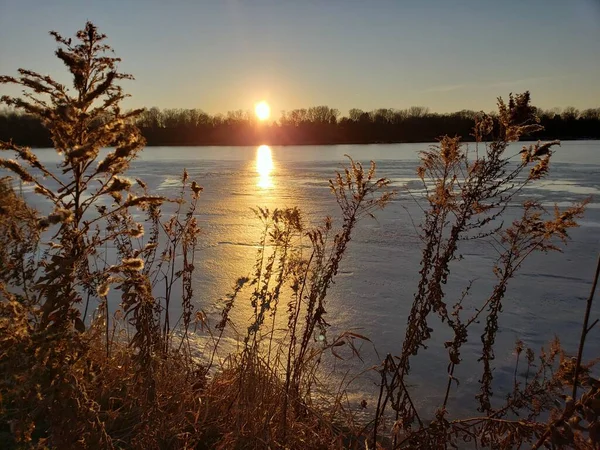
x: 315, y: 125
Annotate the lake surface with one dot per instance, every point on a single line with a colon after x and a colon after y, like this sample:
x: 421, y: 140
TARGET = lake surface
x: 374, y: 290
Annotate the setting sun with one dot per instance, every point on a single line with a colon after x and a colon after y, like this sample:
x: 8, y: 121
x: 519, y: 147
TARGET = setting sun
x: 262, y: 110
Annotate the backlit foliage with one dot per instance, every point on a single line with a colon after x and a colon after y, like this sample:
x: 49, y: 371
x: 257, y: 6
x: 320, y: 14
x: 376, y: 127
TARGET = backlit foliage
x: 76, y: 374
x: 467, y: 193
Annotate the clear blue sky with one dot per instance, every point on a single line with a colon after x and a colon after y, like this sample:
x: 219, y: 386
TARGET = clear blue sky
x: 225, y: 55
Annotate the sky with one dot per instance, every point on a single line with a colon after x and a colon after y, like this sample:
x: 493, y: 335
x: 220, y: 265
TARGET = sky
x: 228, y: 54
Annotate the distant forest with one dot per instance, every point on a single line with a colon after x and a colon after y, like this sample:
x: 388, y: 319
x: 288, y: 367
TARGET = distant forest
x: 316, y: 125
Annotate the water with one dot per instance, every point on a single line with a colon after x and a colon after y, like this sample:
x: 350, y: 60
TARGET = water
x: 374, y: 291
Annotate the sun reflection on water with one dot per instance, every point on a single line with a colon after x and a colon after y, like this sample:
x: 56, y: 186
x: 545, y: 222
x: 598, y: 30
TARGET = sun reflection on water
x: 264, y: 166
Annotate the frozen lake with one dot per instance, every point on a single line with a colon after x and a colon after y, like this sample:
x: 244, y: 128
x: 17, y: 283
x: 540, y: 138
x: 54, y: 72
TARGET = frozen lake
x: 378, y: 278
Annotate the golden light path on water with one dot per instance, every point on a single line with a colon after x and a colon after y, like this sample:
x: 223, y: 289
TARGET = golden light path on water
x: 264, y: 166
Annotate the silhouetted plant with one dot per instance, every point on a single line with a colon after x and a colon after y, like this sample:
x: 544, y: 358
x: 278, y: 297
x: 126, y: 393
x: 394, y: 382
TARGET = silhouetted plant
x: 49, y: 349
x: 301, y: 272
x: 467, y: 193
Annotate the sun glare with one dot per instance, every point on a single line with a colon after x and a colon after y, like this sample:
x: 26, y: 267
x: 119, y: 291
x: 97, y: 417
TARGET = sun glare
x: 264, y: 166
x: 262, y: 110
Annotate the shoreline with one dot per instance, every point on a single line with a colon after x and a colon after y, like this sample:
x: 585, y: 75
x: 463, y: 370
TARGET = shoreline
x: 328, y: 144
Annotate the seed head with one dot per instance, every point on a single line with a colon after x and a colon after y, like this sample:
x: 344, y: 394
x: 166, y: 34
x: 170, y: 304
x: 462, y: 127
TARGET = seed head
x: 196, y: 188
x: 103, y: 289
x: 137, y: 232
x: 119, y: 184
x: 15, y: 167
x: 136, y: 264
x: 60, y: 215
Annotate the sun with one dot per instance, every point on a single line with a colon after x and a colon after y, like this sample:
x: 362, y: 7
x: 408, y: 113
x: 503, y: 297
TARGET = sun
x: 262, y: 110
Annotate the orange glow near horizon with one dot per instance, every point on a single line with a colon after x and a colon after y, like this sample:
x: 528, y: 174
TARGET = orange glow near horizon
x: 262, y: 110
x: 264, y: 166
